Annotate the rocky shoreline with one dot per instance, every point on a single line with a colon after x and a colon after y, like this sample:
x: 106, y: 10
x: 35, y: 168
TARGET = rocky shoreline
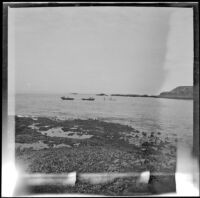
x: 46, y: 145
x: 181, y: 92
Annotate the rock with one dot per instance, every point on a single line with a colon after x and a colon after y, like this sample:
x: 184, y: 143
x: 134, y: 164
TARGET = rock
x: 146, y: 144
x: 124, y: 164
x: 144, y: 133
x: 115, y: 161
x: 181, y: 92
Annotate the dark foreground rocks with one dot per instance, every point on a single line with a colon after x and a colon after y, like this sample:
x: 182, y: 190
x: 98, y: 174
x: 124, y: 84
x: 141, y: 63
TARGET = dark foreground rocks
x: 111, y: 148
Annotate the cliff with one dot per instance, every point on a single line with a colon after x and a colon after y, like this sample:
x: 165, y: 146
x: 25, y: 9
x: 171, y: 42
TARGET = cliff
x: 182, y: 92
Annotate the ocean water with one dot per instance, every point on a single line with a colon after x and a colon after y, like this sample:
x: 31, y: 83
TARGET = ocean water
x: 170, y: 117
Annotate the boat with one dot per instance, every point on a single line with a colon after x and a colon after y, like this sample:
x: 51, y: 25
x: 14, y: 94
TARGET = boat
x: 101, y: 94
x: 66, y: 98
x: 91, y: 99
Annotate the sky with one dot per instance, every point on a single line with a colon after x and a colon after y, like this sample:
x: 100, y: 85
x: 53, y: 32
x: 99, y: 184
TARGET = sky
x: 127, y: 50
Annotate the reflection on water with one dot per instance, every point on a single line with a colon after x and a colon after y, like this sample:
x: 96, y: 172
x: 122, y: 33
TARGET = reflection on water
x: 35, y: 146
x: 61, y: 145
x: 38, y: 145
x: 58, y: 132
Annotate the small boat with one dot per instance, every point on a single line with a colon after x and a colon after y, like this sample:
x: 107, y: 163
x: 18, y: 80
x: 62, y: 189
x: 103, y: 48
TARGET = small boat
x: 101, y: 94
x: 91, y: 99
x: 66, y: 98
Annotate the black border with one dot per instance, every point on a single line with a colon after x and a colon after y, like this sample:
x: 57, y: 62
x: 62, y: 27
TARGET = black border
x: 86, y: 4
x: 194, y: 5
x: 196, y: 82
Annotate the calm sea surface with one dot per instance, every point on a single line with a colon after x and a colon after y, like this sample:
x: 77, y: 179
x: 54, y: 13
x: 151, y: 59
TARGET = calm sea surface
x: 167, y: 116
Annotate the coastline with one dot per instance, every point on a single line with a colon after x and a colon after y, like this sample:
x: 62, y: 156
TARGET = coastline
x: 149, y: 96
x: 92, y: 146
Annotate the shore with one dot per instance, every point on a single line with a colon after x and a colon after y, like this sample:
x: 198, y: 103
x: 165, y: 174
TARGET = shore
x: 47, y: 145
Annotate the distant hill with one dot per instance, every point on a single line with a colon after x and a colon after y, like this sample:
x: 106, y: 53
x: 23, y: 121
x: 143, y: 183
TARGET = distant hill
x: 181, y: 92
